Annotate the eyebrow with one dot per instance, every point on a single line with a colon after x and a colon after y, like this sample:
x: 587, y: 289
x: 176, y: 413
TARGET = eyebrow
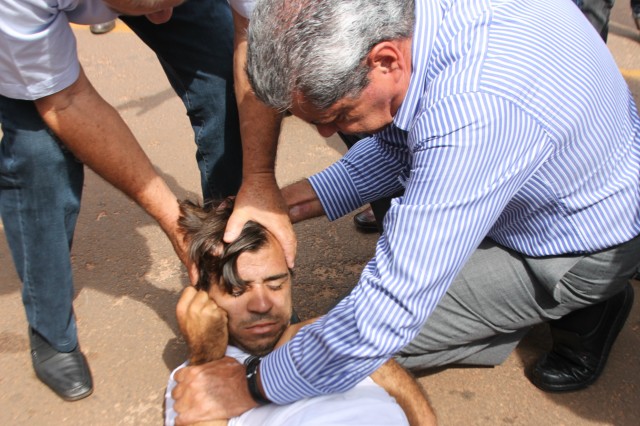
x: 272, y: 278
x: 277, y: 277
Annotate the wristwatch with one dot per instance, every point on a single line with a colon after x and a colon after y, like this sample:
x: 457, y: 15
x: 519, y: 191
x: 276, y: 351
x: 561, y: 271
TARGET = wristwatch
x: 251, y: 364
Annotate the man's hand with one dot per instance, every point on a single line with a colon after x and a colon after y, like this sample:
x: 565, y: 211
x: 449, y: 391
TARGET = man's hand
x: 169, y: 224
x: 215, y: 390
x: 302, y: 201
x: 260, y: 200
x: 203, y: 324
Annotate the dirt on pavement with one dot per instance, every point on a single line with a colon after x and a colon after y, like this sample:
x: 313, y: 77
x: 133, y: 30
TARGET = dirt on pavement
x: 128, y: 278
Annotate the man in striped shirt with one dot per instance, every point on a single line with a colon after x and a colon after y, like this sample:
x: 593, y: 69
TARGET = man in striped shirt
x: 517, y: 143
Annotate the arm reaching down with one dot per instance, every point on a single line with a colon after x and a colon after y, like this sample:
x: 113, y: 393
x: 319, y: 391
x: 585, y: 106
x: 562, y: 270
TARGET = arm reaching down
x: 259, y: 198
x: 96, y: 134
x: 220, y: 387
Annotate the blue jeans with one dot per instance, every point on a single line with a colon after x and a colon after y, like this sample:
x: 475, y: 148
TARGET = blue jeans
x: 195, y: 49
x: 41, y: 181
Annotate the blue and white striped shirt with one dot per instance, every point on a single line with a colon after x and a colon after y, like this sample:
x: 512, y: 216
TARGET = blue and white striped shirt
x: 517, y: 126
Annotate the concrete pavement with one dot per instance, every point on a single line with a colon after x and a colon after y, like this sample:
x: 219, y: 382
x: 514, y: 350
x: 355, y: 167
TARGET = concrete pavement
x: 128, y: 278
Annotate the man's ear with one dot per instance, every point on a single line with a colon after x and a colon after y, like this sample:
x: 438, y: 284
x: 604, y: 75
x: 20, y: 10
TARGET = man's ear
x: 386, y: 57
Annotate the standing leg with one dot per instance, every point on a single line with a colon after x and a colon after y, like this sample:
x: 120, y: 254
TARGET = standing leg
x: 195, y: 49
x: 40, y: 190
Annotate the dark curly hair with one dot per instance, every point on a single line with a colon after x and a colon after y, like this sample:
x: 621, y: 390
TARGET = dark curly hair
x: 216, y: 260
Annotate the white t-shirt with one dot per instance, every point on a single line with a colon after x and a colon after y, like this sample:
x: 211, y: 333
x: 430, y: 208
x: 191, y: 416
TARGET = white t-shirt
x: 243, y: 7
x: 38, y: 55
x: 366, y: 404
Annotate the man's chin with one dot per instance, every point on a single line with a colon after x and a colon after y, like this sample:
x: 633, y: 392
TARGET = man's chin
x: 257, y: 349
x: 260, y: 346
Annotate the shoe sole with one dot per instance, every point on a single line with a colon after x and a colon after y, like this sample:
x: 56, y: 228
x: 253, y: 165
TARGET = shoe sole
x: 76, y: 398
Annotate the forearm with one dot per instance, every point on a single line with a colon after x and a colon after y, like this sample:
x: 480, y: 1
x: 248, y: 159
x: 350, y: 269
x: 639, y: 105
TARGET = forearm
x: 206, y: 351
x: 259, y: 198
x: 97, y: 135
x: 286, y: 336
x: 302, y: 201
x: 259, y: 124
x: 401, y: 385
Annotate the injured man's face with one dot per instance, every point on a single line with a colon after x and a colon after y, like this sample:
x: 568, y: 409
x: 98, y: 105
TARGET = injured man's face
x: 259, y: 312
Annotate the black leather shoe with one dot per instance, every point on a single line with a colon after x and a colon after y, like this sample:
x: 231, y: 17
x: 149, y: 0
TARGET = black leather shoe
x: 365, y: 221
x: 67, y: 374
x: 577, y: 360
x: 635, y: 12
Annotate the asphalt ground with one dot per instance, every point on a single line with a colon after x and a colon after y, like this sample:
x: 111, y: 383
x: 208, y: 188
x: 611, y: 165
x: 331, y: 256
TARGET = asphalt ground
x: 128, y: 279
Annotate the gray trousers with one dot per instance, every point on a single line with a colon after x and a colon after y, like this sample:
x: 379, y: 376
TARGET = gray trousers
x: 500, y: 294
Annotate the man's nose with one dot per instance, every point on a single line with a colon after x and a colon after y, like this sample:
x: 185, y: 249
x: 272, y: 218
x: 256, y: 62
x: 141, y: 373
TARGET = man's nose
x: 326, y: 130
x: 260, y: 300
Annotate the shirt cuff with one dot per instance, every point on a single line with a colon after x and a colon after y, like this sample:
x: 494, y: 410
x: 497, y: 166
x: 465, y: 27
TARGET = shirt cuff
x: 336, y: 191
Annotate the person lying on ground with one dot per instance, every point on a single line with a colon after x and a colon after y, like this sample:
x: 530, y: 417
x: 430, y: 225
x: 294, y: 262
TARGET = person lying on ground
x: 242, y: 308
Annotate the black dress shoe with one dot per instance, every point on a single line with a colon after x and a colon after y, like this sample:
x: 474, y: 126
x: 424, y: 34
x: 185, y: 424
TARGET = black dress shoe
x: 577, y: 359
x: 365, y: 221
x: 67, y: 374
x: 635, y: 12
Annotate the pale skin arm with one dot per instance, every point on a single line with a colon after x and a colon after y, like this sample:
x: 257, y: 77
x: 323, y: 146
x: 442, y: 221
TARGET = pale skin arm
x: 259, y: 197
x: 96, y: 134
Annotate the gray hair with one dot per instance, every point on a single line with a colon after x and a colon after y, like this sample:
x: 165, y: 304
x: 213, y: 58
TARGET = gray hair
x: 318, y: 48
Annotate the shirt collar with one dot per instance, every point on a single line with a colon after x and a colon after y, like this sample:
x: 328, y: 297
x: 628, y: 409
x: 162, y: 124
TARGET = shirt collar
x: 427, y: 21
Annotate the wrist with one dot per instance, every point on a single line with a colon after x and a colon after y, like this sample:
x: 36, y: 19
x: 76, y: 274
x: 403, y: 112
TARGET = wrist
x: 252, y: 365
x: 260, y: 175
